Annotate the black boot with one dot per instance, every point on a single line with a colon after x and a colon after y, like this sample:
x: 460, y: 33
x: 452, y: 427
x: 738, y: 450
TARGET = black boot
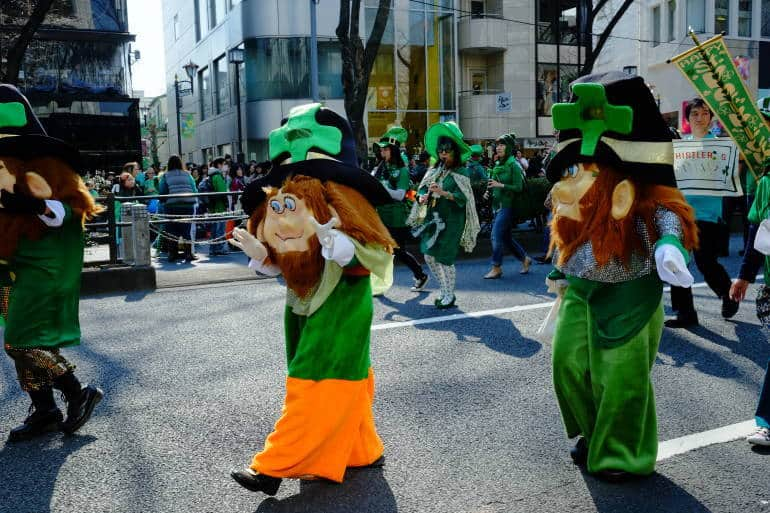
x: 579, y: 453
x: 45, y: 417
x: 256, y: 482
x: 80, y: 401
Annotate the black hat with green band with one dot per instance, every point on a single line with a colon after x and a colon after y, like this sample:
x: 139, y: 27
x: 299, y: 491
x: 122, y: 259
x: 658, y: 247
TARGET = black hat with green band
x: 23, y: 136
x: 395, y: 136
x: 612, y: 118
x: 317, y: 142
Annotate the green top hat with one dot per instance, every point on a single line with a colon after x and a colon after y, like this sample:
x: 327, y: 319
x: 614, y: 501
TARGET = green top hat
x: 450, y: 130
x: 23, y: 136
x: 396, y: 136
x: 476, y: 149
x: 317, y: 142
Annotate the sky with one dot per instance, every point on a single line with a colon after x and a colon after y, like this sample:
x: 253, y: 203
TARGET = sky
x: 145, y: 20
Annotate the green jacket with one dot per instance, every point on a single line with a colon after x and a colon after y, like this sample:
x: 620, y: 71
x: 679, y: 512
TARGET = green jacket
x: 394, y: 214
x: 760, y: 210
x: 217, y: 204
x: 510, y: 175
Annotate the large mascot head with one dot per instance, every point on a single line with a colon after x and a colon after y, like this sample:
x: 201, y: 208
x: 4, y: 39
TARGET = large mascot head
x: 612, y: 169
x: 34, y: 164
x: 315, y: 174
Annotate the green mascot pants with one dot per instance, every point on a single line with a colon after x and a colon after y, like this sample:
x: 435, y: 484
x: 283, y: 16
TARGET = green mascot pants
x: 605, y: 393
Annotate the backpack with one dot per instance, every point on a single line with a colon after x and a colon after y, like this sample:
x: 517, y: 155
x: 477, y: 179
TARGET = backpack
x: 205, y: 186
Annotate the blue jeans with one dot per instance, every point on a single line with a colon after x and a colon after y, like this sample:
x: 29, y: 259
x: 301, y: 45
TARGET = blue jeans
x: 763, y: 408
x: 218, y: 230
x: 502, y: 238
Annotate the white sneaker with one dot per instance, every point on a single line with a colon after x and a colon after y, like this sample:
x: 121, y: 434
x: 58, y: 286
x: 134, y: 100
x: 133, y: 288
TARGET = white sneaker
x: 419, y: 283
x: 760, y: 437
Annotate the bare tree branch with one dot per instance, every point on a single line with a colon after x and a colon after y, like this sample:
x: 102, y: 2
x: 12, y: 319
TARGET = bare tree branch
x: 605, y: 35
x: 15, y: 56
x: 598, y: 7
x: 378, y: 30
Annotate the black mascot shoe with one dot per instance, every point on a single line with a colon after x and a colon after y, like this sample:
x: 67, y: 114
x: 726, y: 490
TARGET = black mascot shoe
x: 79, y: 409
x: 256, y: 482
x: 579, y: 453
x: 36, y: 424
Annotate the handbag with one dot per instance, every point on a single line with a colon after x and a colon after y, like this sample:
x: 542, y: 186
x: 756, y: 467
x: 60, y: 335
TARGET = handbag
x: 763, y: 306
x: 762, y: 240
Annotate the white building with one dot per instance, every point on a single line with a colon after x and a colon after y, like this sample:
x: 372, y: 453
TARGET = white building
x: 663, y: 26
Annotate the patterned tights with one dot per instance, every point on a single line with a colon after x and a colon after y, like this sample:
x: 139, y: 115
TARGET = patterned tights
x: 446, y: 276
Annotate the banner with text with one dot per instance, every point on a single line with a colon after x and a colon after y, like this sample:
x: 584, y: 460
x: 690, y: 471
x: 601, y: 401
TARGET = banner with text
x: 711, y: 70
x: 707, y: 167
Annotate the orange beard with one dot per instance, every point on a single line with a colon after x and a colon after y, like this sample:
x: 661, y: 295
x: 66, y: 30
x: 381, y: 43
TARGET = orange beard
x: 301, y: 269
x: 619, y: 238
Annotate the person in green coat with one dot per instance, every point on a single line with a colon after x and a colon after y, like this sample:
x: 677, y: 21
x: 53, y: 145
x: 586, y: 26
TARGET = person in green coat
x: 444, y: 217
x: 506, y: 180
x: 44, y: 263
x: 393, y: 174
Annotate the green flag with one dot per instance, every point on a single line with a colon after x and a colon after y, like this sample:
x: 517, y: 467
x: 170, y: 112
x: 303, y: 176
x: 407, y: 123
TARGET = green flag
x: 711, y: 71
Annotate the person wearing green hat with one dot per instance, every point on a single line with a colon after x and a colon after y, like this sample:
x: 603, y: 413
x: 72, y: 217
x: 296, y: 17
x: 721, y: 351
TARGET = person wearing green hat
x: 506, y: 181
x: 752, y: 261
x: 444, y: 217
x: 393, y: 174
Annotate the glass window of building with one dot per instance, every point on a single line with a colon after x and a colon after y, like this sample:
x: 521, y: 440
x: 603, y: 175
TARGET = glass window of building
x: 553, y: 82
x: 204, y: 89
x: 278, y: 68
x: 696, y: 15
x: 382, y: 81
x: 221, y: 85
x: 656, y: 25
x: 410, y: 60
x: 671, y: 20
x: 330, y: 70
x: 721, y: 16
x: 557, y: 21
x: 744, y: 17
x: 201, y: 18
x: 217, y: 9
x: 765, y: 18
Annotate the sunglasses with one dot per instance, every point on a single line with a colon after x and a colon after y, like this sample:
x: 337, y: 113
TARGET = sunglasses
x: 445, y: 148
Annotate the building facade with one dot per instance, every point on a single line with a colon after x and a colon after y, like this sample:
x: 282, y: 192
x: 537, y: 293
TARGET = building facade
x: 660, y: 28
x: 76, y: 74
x: 495, y: 66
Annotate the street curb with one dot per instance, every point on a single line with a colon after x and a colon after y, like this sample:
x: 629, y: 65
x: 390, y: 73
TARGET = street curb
x: 105, y: 280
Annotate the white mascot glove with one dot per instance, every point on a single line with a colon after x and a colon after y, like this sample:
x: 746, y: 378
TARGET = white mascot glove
x: 249, y: 244
x: 335, y: 245
x: 671, y: 266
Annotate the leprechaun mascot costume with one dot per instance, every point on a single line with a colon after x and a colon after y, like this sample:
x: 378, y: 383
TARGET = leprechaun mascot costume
x: 43, y: 205
x: 620, y: 227
x: 313, y: 219
x: 393, y: 174
x: 444, y: 217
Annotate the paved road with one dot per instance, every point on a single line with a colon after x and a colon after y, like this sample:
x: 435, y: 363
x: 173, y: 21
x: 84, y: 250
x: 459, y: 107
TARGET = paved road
x: 194, y: 381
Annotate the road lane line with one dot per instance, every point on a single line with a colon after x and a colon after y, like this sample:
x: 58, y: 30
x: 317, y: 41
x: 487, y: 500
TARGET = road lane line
x: 482, y: 313
x: 695, y: 441
x: 460, y: 316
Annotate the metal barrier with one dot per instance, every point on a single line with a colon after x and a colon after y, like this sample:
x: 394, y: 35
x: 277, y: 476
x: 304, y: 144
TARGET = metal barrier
x: 129, y: 239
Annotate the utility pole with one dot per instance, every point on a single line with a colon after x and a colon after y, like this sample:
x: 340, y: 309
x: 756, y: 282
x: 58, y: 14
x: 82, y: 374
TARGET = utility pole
x: 178, y: 116
x: 313, y: 52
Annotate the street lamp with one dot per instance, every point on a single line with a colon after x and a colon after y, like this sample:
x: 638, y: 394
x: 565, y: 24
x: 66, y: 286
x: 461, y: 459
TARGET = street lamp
x: 235, y: 56
x: 190, y: 68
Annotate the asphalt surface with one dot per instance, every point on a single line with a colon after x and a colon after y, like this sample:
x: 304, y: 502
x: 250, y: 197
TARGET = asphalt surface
x: 193, y: 380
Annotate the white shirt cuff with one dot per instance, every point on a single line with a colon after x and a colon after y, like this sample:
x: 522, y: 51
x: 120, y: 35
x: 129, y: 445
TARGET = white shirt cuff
x: 397, y: 194
x: 57, y: 209
x: 262, y: 268
x: 342, y: 250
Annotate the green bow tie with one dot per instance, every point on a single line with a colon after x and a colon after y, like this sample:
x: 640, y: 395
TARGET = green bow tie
x: 593, y: 115
x: 12, y: 114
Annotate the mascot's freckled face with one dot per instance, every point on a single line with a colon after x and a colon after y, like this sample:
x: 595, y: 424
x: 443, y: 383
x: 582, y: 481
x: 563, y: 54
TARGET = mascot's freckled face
x: 286, y: 227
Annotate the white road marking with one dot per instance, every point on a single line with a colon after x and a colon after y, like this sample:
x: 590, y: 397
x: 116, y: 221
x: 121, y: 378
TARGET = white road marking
x: 482, y: 313
x: 689, y: 443
x: 666, y: 449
